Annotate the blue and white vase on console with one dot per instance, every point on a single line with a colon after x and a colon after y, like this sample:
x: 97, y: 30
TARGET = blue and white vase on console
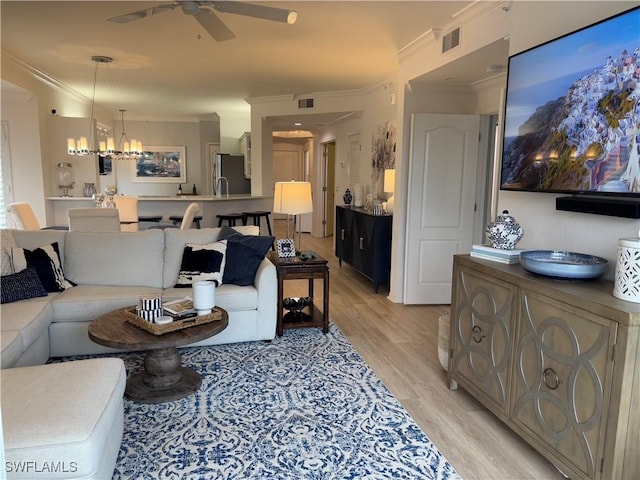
x: 504, y: 232
x: 347, y: 197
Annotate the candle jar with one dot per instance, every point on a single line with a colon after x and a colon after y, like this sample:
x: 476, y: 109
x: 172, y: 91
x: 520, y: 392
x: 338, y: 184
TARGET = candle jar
x: 627, y: 278
x: 204, y: 296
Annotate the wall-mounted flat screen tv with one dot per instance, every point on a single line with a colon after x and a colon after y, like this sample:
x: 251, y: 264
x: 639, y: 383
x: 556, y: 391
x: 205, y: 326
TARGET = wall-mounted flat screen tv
x: 572, y: 112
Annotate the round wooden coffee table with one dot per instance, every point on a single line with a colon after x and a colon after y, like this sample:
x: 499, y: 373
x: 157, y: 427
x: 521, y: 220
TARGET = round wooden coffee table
x: 164, y: 378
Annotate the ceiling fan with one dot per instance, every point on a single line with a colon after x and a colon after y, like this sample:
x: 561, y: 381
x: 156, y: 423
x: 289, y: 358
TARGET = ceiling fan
x: 203, y: 12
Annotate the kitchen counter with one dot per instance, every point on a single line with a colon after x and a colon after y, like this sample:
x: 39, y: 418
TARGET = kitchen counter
x: 175, y: 198
x: 210, y: 206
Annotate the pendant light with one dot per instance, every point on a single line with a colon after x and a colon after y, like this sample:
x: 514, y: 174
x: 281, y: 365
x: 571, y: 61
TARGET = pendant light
x: 86, y: 145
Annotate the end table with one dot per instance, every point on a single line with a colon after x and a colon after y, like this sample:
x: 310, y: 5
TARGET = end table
x: 293, y: 268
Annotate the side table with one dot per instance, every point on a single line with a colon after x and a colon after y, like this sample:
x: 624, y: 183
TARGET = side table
x: 293, y: 268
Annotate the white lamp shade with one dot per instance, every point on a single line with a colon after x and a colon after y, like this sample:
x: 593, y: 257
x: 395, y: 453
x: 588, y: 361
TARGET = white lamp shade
x: 292, y: 198
x: 389, y: 180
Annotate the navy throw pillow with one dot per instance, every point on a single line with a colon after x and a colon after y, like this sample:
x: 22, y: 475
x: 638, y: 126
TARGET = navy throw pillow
x: 227, y: 232
x: 244, y: 254
x: 21, y: 286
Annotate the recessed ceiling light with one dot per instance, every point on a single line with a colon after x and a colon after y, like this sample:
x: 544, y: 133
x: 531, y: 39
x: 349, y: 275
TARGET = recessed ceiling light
x: 297, y: 124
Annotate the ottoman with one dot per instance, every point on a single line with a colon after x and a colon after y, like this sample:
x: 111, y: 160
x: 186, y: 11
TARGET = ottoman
x: 63, y: 420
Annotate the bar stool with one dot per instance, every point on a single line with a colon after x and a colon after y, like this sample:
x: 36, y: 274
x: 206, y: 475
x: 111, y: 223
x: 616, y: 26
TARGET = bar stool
x: 256, y: 216
x: 178, y: 218
x: 231, y: 218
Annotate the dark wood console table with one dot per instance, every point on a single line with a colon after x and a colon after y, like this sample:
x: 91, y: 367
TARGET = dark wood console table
x: 363, y: 240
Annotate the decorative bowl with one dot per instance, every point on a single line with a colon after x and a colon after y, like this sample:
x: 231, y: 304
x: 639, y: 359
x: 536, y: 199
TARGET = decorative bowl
x: 568, y: 265
x: 296, y: 304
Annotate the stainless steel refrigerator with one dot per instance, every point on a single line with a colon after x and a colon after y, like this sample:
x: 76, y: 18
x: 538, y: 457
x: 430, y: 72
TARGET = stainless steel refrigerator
x: 230, y: 167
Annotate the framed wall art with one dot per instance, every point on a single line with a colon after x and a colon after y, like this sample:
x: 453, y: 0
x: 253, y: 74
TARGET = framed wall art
x: 160, y: 165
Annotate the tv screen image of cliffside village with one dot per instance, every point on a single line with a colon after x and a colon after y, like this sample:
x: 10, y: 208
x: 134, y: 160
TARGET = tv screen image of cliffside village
x: 587, y: 139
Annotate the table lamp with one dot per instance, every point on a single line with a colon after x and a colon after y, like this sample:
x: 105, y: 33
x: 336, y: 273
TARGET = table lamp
x: 292, y: 198
x: 389, y: 187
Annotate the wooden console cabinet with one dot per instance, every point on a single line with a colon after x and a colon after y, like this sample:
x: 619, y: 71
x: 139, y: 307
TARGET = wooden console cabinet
x: 363, y: 241
x: 557, y: 361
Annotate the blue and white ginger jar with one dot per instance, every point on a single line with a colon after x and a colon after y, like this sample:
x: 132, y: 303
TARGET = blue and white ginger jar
x: 347, y: 197
x: 504, y: 232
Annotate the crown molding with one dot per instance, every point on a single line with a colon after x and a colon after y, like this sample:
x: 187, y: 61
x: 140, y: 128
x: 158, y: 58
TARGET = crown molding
x: 43, y: 77
x: 467, y: 14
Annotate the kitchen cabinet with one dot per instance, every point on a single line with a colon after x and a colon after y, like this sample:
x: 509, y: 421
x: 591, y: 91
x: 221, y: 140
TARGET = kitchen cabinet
x: 363, y: 240
x: 557, y: 361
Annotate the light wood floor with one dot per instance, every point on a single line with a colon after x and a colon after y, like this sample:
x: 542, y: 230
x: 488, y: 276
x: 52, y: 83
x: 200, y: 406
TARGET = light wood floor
x: 399, y: 342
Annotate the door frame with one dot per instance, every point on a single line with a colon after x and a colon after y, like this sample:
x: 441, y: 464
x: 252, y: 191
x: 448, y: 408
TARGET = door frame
x: 325, y: 185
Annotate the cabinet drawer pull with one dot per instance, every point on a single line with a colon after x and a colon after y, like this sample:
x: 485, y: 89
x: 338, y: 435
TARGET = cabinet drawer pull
x: 477, y: 334
x: 361, y: 243
x: 551, y: 379
x: 342, y: 234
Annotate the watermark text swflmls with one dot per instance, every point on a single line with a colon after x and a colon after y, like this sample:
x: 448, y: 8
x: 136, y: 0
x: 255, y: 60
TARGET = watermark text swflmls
x: 39, y: 466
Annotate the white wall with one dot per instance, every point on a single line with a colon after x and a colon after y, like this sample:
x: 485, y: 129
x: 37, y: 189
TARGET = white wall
x: 231, y: 129
x: 26, y: 159
x: 544, y: 226
x: 526, y: 24
x: 156, y: 133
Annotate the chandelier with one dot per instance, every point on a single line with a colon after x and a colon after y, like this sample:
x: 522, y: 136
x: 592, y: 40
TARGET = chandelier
x: 126, y: 148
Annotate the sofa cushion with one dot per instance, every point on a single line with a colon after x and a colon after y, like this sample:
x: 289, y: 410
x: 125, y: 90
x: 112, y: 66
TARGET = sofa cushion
x: 202, y: 262
x: 101, y: 258
x: 21, y: 286
x: 7, y: 242
x: 68, y: 414
x: 87, y: 302
x: 30, y: 318
x: 46, y: 261
x: 36, y: 238
x: 232, y: 298
x: 11, y: 344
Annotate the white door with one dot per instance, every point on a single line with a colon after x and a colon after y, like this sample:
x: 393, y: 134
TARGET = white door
x: 441, y: 198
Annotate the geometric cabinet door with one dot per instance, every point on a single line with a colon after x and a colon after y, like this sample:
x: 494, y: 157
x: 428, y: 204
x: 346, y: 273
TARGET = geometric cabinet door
x: 482, y: 335
x: 562, y: 379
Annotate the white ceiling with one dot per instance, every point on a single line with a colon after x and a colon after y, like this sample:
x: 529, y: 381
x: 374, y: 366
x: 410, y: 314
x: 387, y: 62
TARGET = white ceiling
x: 167, y: 65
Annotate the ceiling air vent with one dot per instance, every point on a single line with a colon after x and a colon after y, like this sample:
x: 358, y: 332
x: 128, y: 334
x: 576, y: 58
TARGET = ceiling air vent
x: 451, y: 40
x: 305, y: 103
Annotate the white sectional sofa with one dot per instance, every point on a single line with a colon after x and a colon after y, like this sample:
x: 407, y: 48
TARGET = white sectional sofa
x: 110, y: 271
x: 65, y: 420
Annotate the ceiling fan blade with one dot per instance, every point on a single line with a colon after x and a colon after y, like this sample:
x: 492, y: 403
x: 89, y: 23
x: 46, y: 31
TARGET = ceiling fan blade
x: 254, y: 10
x: 213, y: 25
x: 147, y: 12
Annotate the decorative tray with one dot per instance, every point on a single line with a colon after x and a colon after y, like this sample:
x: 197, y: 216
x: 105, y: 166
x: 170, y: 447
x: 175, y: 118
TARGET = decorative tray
x: 568, y: 265
x: 138, y: 321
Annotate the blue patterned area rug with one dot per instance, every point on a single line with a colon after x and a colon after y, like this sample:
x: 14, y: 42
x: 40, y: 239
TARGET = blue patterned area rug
x: 305, y: 406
